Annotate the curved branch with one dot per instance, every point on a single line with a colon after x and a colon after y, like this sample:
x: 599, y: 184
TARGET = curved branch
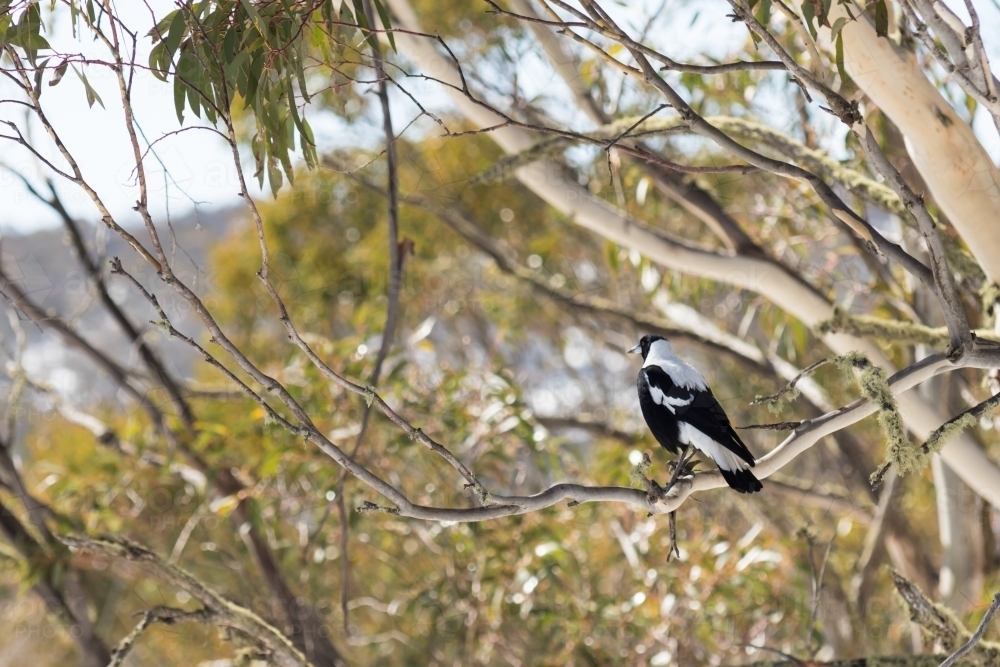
x: 278, y: 647
x: 804, y: 437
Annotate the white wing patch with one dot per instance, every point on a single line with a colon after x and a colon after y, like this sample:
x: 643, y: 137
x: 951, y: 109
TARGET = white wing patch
x: 682, y: 373
x: 724, y: 458
x: 669, y: 402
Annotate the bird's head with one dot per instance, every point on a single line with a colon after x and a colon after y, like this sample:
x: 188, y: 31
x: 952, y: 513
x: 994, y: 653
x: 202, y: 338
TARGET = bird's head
x: 645, y: 343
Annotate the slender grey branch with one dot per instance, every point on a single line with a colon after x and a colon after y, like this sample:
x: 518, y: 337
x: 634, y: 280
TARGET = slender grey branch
x: 668, y: 63
x: 976, y: 637
x: 944, y: 283
x: 217, y: 609
x: 788, y: 388
x: 936, y: 440
x: 162, y: 615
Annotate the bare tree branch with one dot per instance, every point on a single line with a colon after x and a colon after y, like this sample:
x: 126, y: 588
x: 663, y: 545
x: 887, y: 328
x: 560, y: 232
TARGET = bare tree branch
x: 162, y: 615
x: 976, y: 637
x: 216, y: 609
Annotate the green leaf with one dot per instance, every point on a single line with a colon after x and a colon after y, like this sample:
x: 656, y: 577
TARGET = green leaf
x: 840, y: 59
x: 826, y: 12
x: 92, y: 95
x: 57, y: 77
x: 27, y: 33
x: 763, y: 13
x: 274, y: 176
x: 39, y: 74
x: 161, y: 28
x: 838, y: 25
x: 229, y: 46
x: 300, y: 73
x: 194, y: 100
x: 809, y: 14
x: 362, y: 20
x: 881, y: 19
x: 384, y: 17
x: 173, y: 39
x: 5, y: 20
x: 233, y: 67
x: 308, y: 143
x: 256, y: 18
x: 156, y: 58
x: 179, y: 90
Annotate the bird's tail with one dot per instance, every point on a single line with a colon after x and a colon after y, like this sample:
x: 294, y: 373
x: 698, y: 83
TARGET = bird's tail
x: 741, y: 480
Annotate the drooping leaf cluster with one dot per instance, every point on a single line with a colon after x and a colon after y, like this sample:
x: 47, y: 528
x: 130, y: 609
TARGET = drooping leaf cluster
x: 263, y: 54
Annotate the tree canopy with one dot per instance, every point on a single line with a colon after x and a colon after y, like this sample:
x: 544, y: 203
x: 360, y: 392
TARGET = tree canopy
x: 381, y: 411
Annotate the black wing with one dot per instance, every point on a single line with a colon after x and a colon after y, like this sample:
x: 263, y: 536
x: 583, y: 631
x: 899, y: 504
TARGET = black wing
x: 705, y: 414
x: 662, y: 421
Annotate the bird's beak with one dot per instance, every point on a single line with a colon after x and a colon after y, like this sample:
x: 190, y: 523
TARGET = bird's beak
x: 636, y: 350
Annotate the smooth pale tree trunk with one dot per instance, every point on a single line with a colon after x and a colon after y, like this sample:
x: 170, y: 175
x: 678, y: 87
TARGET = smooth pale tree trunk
x: 960, y: 584
x: 955, y: 166
x: 549, y: 181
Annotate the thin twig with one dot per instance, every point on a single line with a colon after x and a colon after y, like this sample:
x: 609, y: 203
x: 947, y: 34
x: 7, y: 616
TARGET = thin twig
x: 818, y: 589
x: 779, y: 426
x: 163, y: 615
x: 976, y: 636
x: 788, y: 388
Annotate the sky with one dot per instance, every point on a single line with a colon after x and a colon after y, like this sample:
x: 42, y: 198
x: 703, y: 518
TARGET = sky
x: 198, y: 161
x: 199, y: 164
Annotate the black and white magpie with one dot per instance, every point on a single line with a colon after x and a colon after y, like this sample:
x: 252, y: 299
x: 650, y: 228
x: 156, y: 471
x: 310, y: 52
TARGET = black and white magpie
x: 683, y: 414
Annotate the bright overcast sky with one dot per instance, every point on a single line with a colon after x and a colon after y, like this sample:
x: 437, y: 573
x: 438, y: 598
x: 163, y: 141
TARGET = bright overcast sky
x: 199, y: 162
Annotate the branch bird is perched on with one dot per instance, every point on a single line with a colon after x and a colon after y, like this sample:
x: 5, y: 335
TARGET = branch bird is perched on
x: 684, y: 415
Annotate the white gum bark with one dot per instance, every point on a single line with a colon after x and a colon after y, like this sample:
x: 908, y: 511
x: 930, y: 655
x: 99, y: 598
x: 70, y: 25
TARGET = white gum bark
x: 549, y: 181
x: 956, y: 167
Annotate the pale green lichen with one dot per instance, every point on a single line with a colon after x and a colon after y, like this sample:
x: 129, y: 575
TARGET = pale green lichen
x: 874, y: 386
x: 814, y: 160
x: 775, y: 402
x: 506, y: 168
x: 962, y: 262
x: 368, y: 507
x: 940, y: 437
x: 951, y: 428
x: 989, y: 295
x: 789, y: 392
x: 637, y: 475
x: 892, y: 331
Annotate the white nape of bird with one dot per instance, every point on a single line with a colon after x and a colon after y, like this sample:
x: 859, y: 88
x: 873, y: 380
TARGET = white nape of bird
x: 684, y: 416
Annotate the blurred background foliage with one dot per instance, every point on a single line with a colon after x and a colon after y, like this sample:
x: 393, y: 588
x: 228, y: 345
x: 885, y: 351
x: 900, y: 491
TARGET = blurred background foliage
x: 480, y: 362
